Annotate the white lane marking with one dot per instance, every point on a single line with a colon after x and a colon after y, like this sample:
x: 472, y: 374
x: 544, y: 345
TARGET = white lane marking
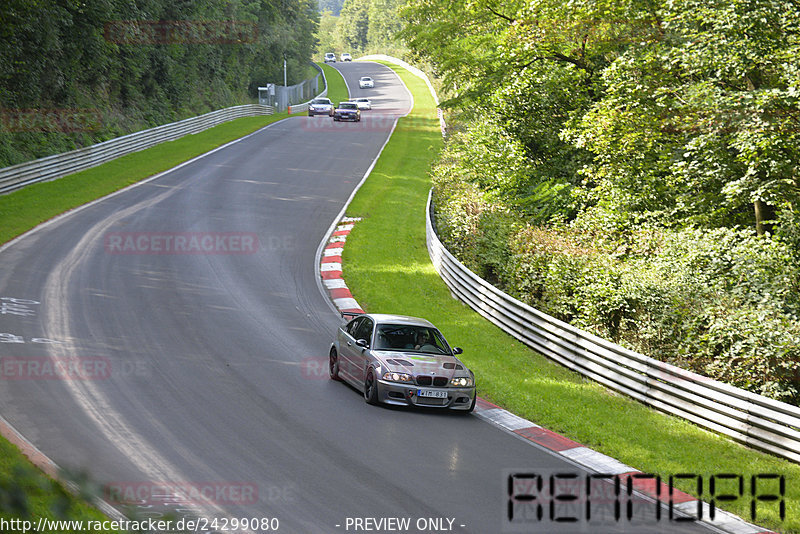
x: 90, y: 397
x: 341, y: 213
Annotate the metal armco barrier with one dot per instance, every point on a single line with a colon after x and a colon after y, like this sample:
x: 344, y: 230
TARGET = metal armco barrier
x: 302, y: 108
x: 59, y: 165
x: 751, y: 419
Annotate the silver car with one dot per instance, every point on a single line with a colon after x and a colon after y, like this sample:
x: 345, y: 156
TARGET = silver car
x: 406, y: 361
x: 320, y: 106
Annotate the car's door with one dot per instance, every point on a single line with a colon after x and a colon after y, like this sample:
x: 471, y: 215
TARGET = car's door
x: 361, y: 354
x: 347, y: 347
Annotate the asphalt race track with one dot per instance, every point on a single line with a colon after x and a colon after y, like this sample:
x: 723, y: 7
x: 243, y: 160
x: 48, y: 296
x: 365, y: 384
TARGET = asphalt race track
x: 197, y: 368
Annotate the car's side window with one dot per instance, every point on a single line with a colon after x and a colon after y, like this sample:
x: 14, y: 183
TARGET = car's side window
x: 364, y: 330
x: 352, y: 327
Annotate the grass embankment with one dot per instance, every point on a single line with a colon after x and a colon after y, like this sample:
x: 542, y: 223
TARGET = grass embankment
x: 26, y: 493
x: 23, y: 209
x: 24, y: 490
x: 388, y: 270
x: 337, y: 89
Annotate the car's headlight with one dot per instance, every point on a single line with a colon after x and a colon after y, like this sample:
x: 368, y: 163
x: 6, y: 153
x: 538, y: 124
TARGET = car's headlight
x: 397, y: 377
x: 462, y: 382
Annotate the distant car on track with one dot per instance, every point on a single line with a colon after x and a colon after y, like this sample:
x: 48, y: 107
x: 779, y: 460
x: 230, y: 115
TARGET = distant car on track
x: 400, y: 360
x: 347, y: 57
x: 366, y: 82
x: 320, y: 106
x: 362, y: 103
x: 347, y: 111
x: 330, y: 56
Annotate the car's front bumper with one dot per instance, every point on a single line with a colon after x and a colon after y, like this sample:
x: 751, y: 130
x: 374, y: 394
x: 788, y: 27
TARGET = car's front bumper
x: 312, y: 112
x: 406, y: 395
x: 346, y: 117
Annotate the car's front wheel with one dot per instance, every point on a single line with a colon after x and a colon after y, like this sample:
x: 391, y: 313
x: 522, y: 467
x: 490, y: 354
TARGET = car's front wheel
x: 371, y: 388
x: 333, y: 365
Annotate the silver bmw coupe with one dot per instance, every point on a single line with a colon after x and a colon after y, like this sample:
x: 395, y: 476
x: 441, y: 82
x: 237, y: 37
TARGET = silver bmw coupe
x: 395, y: 359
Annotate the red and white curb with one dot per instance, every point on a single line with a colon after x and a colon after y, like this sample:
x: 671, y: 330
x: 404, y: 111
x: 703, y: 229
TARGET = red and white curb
x: 331, y: 273
x: 330, y: 267
x: 600, y: 463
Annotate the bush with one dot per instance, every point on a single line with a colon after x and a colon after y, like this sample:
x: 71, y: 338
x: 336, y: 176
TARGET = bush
x: 721, y: 302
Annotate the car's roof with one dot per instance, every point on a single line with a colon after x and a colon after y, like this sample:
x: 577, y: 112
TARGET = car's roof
x: 321, y: 101
x: 366, y: 78
x: 383, y: 318
x: 362, y: 99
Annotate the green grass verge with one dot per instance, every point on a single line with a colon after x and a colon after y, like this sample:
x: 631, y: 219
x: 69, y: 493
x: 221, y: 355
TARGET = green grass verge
x: 337, y: 89
x: 388, y: 270
x: 23, y: 209
x: 24, y: 490
x: 28, y: 494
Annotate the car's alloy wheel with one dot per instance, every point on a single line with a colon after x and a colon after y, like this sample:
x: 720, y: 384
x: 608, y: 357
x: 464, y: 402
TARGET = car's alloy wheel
x: 371, y: 388
x: 333, y: 365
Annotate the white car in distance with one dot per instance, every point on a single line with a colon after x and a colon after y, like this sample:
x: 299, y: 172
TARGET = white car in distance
x: 362, y: 103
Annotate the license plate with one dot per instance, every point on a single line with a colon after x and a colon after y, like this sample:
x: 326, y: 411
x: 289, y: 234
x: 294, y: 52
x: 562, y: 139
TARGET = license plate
x: 433, y: 393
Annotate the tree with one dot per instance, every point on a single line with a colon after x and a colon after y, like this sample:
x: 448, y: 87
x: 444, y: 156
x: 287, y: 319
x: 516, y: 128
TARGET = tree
x: 353, y: 24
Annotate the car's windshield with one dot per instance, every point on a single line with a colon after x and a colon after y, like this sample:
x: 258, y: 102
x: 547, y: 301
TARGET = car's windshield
x: 320, y: 101
x: 410, y: 338
x: 366, y: 79
x: 347, y: 105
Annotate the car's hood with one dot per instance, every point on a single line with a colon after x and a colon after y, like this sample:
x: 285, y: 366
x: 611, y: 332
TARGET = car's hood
x: 420, y: 364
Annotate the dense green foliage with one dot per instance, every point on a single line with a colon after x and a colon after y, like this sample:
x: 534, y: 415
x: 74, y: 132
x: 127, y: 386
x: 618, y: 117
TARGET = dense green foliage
x: 633, y: 168
x: 27, y: 493
x: 88, y: 57
x: 362, y: 27
x: 387, y: 249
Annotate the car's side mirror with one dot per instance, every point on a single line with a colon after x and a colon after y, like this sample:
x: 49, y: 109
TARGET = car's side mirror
x: 457, y: 350
x: 362, y: 343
